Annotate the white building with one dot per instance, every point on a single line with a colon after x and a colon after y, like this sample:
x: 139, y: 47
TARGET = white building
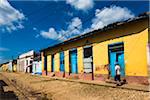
x: 24, y: 62
x: 37, y: 65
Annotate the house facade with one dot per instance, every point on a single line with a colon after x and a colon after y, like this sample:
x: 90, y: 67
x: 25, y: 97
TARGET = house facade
x: 86, y: 56
x: 24, y: 62
x: 4, y: 67
x: 12, y: 65
x: 37, y: 65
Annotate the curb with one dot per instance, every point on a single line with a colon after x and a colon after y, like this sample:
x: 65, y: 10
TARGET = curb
x: 120, y: 87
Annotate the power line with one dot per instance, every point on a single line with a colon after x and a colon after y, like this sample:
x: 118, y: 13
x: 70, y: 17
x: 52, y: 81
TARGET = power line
x: 80, y: 24
x: 85, y: 21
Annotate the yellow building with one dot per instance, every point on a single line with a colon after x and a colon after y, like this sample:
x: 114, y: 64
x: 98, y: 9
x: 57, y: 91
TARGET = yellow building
x: 87, y: 56
x: 9, y: 66
x: 4, y: 66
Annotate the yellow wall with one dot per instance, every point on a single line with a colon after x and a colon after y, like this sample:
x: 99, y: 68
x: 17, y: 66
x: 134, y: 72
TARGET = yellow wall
x: 100, y: 57
x: 49, y: 63
x: 134, y: 54
x: 4, y: 67
x: 134, y: 49
x: 57, y: 62
x: 80, y: 59
x: 66, y: 54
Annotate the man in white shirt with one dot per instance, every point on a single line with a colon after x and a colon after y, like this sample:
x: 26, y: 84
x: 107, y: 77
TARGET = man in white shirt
x: 117, y: 77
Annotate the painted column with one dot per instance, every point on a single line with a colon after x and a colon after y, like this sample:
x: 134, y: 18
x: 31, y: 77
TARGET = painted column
x: 42, y: 56
x: 57, y: 62
x: 49, y: 64
x: 80, y: 59
x: 66, y: 61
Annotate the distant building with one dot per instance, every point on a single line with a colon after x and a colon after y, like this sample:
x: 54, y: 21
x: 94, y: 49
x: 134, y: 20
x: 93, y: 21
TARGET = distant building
x: 37, y: 65
x: 24, y: 62
x: 86, y: 56
x: 12, y: 65
x: 4, y: 67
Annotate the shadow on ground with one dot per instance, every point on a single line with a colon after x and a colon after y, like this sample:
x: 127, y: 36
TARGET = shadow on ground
x: 9, y: 95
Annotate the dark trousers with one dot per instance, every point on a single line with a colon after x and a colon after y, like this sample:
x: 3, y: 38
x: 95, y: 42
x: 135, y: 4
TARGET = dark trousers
x: 117, y: 78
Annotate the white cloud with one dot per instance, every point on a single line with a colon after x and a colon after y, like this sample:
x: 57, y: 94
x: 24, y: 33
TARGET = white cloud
x: 73, y: 29
x: 102, y: 18
x: 3, y: 49
x: 10, y: 18
x: 51, y: 34
x: 110, y: 15
x: 81, y: 4
x: 74, y: 26
x: 87, y: 30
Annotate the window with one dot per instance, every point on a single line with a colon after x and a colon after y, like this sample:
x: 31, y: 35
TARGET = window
x: 30, y: 61
x: 87, y: 52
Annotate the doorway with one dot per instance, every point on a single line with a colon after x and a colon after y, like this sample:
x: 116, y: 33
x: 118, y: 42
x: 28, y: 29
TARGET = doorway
x: 73, y: 61
x: 88, y: 60
x: 45, y: 64
x: 52, y: 63
x: 62, y: 67
x: 116, y: 55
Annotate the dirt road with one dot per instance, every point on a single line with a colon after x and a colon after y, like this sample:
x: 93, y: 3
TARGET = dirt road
x: 42, y: 88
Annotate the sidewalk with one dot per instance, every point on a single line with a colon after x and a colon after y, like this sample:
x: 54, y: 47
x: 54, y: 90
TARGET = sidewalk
x: 136, y: 87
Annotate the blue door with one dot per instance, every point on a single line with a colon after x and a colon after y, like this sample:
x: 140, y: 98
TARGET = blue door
x: 62, y: 69
x: 73, y: 57
x: 45, y: 64
x: 121, y: 63
x: 116, y: 55
x: 112, y: 63
x: 52, y: 68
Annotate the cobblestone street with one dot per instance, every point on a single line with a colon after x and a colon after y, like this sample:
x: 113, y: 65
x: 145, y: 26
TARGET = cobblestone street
x: 6, y: 94
x: 43, y: 88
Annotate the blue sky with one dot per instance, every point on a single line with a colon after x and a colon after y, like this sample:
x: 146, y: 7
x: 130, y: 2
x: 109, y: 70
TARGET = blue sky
x: 27, y: 24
